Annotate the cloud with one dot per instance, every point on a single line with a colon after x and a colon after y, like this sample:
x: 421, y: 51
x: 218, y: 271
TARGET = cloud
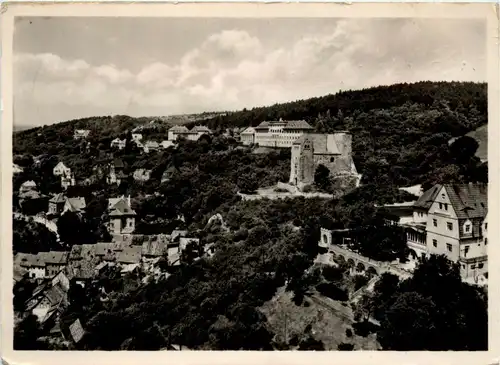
x: 233, y: 69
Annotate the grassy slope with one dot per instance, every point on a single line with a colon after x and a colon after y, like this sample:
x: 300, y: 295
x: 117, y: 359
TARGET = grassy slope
x: 327, y: 326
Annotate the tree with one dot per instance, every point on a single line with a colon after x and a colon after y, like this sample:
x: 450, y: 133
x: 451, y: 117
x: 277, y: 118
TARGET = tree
x: 409, y: 324
x: 322, y: 177
x: 248, y: 183
x: 463, y: 149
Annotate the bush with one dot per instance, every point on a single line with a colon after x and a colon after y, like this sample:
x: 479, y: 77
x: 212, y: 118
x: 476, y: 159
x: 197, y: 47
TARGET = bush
x: 360, y: 281
x: 364, y: 328
x: 345, y: 347
x: 348, y: 332
x: 332, y: 291
x: 333, y: 274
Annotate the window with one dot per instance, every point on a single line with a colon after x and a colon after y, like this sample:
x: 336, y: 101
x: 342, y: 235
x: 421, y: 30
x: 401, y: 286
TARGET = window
x: 463, y: 266
x: 449, y: 247
x: 325, y: 239
x: 435, y: 243
x: 467, y: 228
x: 435, y: 222
x: 485, y: 241
x: 486, y: 226
x: 466, y: 251
x: 443, y: 196
x: 332, y: 159
x: 445, y: 206
x: 472, y: 267
x: 440, y: 205
x: 450, y: 226
x: 480, y: 266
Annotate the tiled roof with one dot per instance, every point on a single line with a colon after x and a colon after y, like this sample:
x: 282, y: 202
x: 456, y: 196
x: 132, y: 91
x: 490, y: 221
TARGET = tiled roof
x: 82, y: 262
x: 108, y: 251
x: 58, y: 198
x: 76, y: 204
x: 55, y: 257
x: 427, y: 198
x: 178, y: 128
x: 263, y: 125
x: 319, y: 143
x: 155, y: 246
x: 176, y: 234
x: 121, y: 208
x: 297, y: 124
x: 31, y: 194
x: 249, y: 130
x: 200, y: 128
x: 24, y: 259
x: 76, y: 330
x: 130, y: 255
x: 469, y: 201
x: 118, y: 163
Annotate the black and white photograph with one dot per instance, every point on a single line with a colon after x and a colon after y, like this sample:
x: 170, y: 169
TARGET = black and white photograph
x: 249, y: 183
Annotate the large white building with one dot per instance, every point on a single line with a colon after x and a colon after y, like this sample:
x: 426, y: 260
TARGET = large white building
x: 276, y: 133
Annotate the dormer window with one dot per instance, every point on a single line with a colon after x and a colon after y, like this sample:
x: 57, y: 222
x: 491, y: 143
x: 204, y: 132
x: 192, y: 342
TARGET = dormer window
x: 443, y: 195
x: 467, y: 228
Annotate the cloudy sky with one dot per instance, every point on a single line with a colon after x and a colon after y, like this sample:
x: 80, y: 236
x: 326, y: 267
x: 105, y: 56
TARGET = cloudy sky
x: 66, y: 68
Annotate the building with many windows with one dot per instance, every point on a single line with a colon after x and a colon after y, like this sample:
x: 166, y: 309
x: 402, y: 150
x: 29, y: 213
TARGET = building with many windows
x: 451, y: 220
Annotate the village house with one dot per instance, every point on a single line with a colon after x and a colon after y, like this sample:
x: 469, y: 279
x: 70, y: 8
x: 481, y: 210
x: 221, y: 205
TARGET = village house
x: 47, y: 303
x: 55, y: 262
x: 166, y: 144
x: 136, y: 137
x: 68, y: 180
x: 451, y: 220
x: 116, y: 172
x: 82, y: 264
x: 27, y: 186
x: 175, y: 131
x: 151, y: 146
x: 129, y: 259
x: 61, y: 169
x: 16, y: 169
x: 169, y: 173
x: 247, y: 137
x: 153, y: 249
x: 81, y: 133
x: 334, y: 151
x: 34, y: 264
x: 56, y: 204
x: 107, y: 252
x: 119, y: 143
x: 59, y: 204
x: 192, y: 135
x: 142, y: 175
x: 121, y: 216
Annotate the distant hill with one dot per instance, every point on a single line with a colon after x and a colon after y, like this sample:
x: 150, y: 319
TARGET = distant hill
x: 19, y: 128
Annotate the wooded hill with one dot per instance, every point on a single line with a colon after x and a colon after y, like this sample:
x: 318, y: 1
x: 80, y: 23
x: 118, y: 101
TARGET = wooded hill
x: 400, y: 132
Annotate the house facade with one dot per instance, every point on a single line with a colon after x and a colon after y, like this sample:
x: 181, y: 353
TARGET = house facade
x: 142, y: 175
x: 81, y: 133
x: 247, y: 137
x: 334, y: 151
x: 121, y: 216
x: 277, y: 133
x: 61, y: 169
x: 451, y: 220
x: 119, y: 143
x: 182, y: 132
